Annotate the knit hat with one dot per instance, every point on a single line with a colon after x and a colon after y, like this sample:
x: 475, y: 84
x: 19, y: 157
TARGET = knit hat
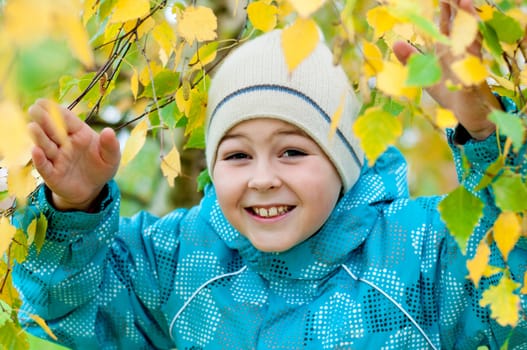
x: 254, y: 81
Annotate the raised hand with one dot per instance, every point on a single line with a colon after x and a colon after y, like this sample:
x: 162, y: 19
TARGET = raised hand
x: 470, y: 105
x: 77, y: 166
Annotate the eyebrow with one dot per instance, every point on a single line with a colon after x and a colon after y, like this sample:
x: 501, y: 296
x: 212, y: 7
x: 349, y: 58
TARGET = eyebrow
x: 284, y: 131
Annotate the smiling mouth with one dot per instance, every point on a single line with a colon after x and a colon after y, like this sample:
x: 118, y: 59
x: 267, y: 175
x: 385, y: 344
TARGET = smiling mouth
x: 270, y: 212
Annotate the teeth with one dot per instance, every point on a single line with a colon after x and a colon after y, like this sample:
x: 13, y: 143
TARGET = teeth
x: 269, y: 212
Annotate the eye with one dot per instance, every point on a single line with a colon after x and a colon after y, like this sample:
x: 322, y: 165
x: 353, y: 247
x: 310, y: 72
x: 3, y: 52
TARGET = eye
x: 236, y: 156
x: 293, y: 153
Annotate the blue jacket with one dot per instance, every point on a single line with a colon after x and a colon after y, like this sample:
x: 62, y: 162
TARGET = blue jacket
x: 382, y: 273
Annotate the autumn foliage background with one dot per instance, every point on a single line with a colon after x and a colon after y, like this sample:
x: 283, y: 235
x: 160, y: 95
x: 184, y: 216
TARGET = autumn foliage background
x: 143, y: 67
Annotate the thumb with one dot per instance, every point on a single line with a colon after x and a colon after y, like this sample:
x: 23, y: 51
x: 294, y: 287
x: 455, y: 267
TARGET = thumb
x: 403, y: 51
x: 109, y: 147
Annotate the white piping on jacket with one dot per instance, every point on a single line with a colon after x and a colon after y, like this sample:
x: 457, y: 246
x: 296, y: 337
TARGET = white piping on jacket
x: 187, y: 302
x: 352, y: 275
x: 394, y: 302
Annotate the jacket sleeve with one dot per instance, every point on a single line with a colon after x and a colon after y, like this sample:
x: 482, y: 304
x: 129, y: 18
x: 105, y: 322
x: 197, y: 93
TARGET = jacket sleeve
x: 99, y: 279
x: 475, y: 326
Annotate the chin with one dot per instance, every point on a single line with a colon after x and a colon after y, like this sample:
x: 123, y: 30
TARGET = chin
x: 267, y: 248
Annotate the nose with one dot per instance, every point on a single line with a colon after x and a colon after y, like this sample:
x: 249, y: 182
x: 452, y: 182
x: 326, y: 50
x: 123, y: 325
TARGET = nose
x: 264, y: 177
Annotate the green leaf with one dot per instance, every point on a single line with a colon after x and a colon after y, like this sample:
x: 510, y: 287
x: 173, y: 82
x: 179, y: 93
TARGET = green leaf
x: 170, y: 114
x: 19, y: 246
x: 461, y: 226
x: 38, y: 68
x: 196, y: 139
x: 392, y: 106
x: 507, y: 28
x: 376, y: 129
x: 4, y: 195
x: 491, y: 39
x: 491, y: 173
x: 427, y: 27
x: 40, y: 233
x: 423, y: 70
x: 5, y: 312
x: 203, y: 179
x: 93, y: 94
x: 510, y: 192
x: 165, y: 83
x: 510, y: 126
x: 12, y: 337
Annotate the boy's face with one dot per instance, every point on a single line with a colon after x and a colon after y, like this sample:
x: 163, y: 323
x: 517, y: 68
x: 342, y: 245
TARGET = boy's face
x: 274, y: 183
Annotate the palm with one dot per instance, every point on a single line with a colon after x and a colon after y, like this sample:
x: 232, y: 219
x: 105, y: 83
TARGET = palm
x: 75, y: 168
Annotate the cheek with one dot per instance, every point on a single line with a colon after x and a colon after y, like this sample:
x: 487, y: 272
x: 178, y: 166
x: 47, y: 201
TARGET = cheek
x: 227, y: 185
x: 326, y: 192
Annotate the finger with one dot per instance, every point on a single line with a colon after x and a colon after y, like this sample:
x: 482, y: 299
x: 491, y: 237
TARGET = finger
x: 445, y: 15
x: 43, y: 165
x: 475, y: 47
x: 468, y: 5
x: 403, y: 51
x: 109, y: 147
x: 39, y: 112
x: 72, y: 121
x: 42, y: 141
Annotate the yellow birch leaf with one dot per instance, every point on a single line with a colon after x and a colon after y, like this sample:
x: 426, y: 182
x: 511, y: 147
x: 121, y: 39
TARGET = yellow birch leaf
x: 31, y: 231
x: 197, y: 112
x: 492, y: 270
x: 126, y: 10
x: 463, y: 33
x: 504, y: 304
x: 21, y: 182
x: 24, y: 27
x: 197, y: 23
x: 524, y: 288
x: 16, y: 144
x: 89, y: 9
x: 380, y: 20
x: 58, y: 122
x: 149, y: 72
x: 262, y: 15
x: 470, y: 70
x: 135, y: 142
x: 373, y: 62
x: 445, y: 118
x: 376, y: 130
x: 165, y: 37
x: 486, y: 12
x: 507, y: 231
x: 518, y: 14
x: 185, y: 97
x: 523, y: 77
x: 507, y: 84
x: 78, y: 40
x: 306, y: 8
x: 477, y: 265
x: 171, y: 166
x: 7, y: 232
x: 147, y: 27
x: 42, y: 323
x: 335, y: 118
x: 134, y: 84
x: 284, y: 9
x: 36, y: 232
x: 392, y: 78
x: 298, y: 41
x: 205, y: 55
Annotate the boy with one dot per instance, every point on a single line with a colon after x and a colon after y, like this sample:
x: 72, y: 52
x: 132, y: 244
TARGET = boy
x: 297, y: 244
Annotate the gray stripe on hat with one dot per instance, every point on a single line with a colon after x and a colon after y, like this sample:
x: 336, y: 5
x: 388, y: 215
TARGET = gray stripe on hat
x: 288, y: 90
